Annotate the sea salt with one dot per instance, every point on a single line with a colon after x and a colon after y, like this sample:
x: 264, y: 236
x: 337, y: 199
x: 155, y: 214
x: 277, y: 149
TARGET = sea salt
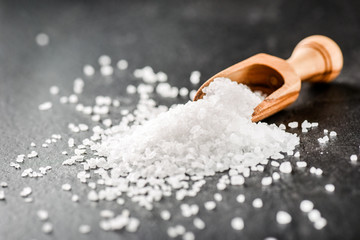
x: 25, y: 192
x: 45, y: 106
x: 266, y: 181
x: 84, y: 229
x: 301, y: 164
x: 2, y: 195
x: 165, y: 215
x: 43, y: 215
x: 285, y: 167
x: 240, y: 198
x: 66, y: 187
x: 104, y: 60
x: 257, y: 203
x: 122, y: 64
x: 195, y: 77
x: 78, y: 85
x: 198, y: 223
x: 88, y: 70
x: 42, y: 39
x: 293, y: 124
x: 237, y: 223
x: 210, y: 205
x: 54, y: 90
x: 47, y: 228
x: 306, y: 206
x: 353, y: 158
x: 330, y: 187
x: 283, y: 217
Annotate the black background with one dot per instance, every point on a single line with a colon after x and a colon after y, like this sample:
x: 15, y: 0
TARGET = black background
x: 176, y: 37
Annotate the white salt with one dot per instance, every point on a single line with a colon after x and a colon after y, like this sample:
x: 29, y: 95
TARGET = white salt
x: 218, y: 197
x: 333, y: 134
x: 104, y: 60
x: 54, y: 90
x: 165, y: 215
x: 306, y: 206
x: 122, y: 64
x: 78, y: 85
x: 131, y: 89
x: 240, y: 198
x: 301, y: 164
x: 314, y: 215
x: 257, y: 203
x: 66, y: 187
x: 353, y: 158
x: 106, y: 70
x: 320, y: 223
x: 2, y: 195
x: 25, y: 192
x: 198, y: 223
x: 285, y: 167
x: 237, y: 223
x: 42, y: 39
x: 293, y: 124
x: 330, y: 187
x: 84, y: 229
x: 47, y: 228
x: 45, y: 106
x: 283, y: 217
x: 210, y: 205
x: 195, y: 77
x: 43, y: 215
x: 188, y: 236
x: 276, y: 176
x: 266, y: 181
x: 88, y: 70
x: 183, y: 91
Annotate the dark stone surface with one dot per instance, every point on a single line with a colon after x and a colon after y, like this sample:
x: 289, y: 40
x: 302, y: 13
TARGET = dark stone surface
x: 176, y: 37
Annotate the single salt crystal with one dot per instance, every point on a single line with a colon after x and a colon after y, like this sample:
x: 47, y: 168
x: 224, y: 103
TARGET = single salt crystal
x: 45, y: 106
x: 54, y: 90
x: 131, y: 89
x: 42, y: 39
x: 84, y: 229
x: 71, y: 142
x: 180, y: 230
x: 297, y: 154
x: 183, y: 91
x: 237, y: 223
x: 122, y: 64
x: 218, y: 197
x: 78, y: 85
x: 237, y: 180
x: 314, y: 124
x: 104, y: 60
x: 66, y: 187
x: 171, y: 231
x: 106, y: 70
x: 107, y: 122
x: 353, y: 158
x: 195, y: 77
x: 333, y: 134
x: 73, y: 98
x: 43, y: 215
x: 47, y: 228
x: 75, y: 198
x: 314, y: 215
x: 133, y: 225
x: 20, y: 158
x: 161, y: 77
x: 28, y: 200
x: 293, y: 124
x: 2, y: 195
x: 120, y: 201
x: 330, y: 187
x: 25, y: 192
x: 107, y: 213
x: 282, y: 126
x: 210, y: 205
x: 319, y: 172
x: 257, y: 203
x: 93, y: 196
x: 276, y: 176
x: 301, y: 164
x: 275, y: 163
x: 240, y: 198
x: 192, y: 94
x: 88, y: 70
x: 116, y: 103
x: 64, y: 99
x: 188, y: 236
x: 266, y: 181
x: 3, y: 184
x: 326, y: 131
x: 165, y: 215
x: 320, y: 223
x: 285, y: 167
x: 306, y: 206
x: 32, y: 144
x: 198, y: 223
x: 283, y: 217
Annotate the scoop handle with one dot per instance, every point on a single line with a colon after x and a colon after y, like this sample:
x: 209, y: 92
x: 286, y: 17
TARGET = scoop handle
x: 317, y: 59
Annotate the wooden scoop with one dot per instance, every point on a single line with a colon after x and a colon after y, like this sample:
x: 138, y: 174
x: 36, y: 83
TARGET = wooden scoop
x: 314, y: 59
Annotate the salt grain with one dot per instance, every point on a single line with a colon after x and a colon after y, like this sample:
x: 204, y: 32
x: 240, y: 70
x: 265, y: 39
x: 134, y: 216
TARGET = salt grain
x: 353, y: 158
x: 42, y: 39
x: 285, y: 167
x: 88, y: 70
x: 210, y: 205
x: 330, y: 187
x: 84, y: 229
x: 165, y: 215
x: 47, y: 228
x: 195, y: 77
x: 293, y: 124
x: 54, y: 90
x: 122, y: 64
x: 25, y: 192
x: 104, y: 60
x: 45, y: 106
x: 43, y: 215
x: 218, y: 197
x: 237, y: 223
x: 66, y: 187
x: 266, y: 181
x: 199, y: 224
x: 257, y: 203
x: 240, y: 198
x: 2, y: 195
x: 283, y: 217
x: 306, y: 206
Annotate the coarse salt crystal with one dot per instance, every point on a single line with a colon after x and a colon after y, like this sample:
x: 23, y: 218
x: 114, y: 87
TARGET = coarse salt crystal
x: 25, y: 192
x: 43, y: 215
x: 330, y: 187
x: 257, y: 203
x: 285, y: 167
x: 45, y: 106
x: 54, y: 90
x: 66, y: 187
x: 210, y: 205
x: 283, y: 217
x: 47, y: 228
x: 353, y: 158
x: 266, y: 181
x: 237, y: 223
x: 88, y: 70
x: 84, y: 229
x: 122, y: 64
x: 306, y: 206
x: 165, y: 215
x: 301, y: 164
x: 104, y: 60
x: 240, y: 198
x: 198, y: 223
x: 293, y: 124
x: 42, y: 39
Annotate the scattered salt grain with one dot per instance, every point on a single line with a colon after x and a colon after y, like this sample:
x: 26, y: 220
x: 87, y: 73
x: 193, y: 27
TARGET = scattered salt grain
x: 330, y: 187
x: 88, y: 70
x: 188, y: 236
x: 240, y: 198
x: 283, y: 217
x: 257, y: 203
x: 333, y: 134
x: 64, y: 99
x: 195, y: 77
x: 237, y: 223
x: 353, y: 158
x: 218, y: 197
x: 165, y: 215
x: 66, y: 187
x: 73, y: 98
x: 75, y: 198
x: 301, y: 164
x: 2, y: 195
x: 107, y: 213
x: 106, y: 70
x: 93, y: 196
x: 210, y: 205
x: 131, y: 89
x: 54, y: 90
x: 293, y: 124
x: 84, y: 229
x: 3, y: 184
x: 198, y: 223
x: 275, y: 176
x: 192, y: 94
x: 237, y: 180
x: 42, y: 39
x: 266, y: 181
x: 314, y: 215
x: 45, y: 106
x: 306, y: 206
x: 104, y: 60
x: 122, y: 64
x: 320, y: 223
x: 285, y: 167
x: 47, y: 228
x: 78, y: 85
x: 43, y: 215
x: 25, y: 192
x: 183, y: 91
x: 20, y: 158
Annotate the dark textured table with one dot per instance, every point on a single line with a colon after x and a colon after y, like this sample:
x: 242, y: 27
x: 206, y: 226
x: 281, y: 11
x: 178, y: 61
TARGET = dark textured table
x: 176, y: 37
